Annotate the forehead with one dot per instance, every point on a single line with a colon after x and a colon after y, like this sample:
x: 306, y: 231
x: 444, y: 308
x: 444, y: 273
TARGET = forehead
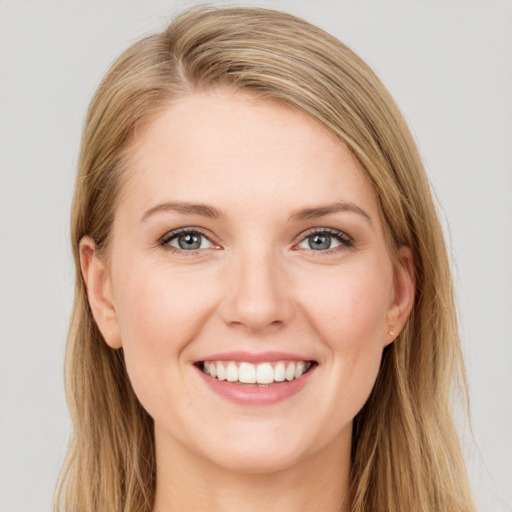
x: 233, y: 150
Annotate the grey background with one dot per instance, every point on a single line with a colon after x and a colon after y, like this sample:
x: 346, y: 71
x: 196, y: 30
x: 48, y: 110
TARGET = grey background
x: 449, y: 65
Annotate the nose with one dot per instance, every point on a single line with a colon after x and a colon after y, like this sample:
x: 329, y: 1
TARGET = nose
x: 257, y: 296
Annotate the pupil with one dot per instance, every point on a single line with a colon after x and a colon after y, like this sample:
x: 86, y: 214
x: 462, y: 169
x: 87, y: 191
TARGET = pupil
x: 189, y: 241
x: 319, y: 242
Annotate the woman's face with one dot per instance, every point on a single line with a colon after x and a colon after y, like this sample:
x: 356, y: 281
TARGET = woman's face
x: 248, y: 246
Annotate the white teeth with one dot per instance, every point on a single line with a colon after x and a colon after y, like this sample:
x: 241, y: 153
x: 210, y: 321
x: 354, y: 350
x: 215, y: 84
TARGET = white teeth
x: 263, y: 373
x: 290, y: 371
x: 221, y: 371
x: 246, y: 373
x: 279, y: 372
x: 299, y: 369
x: 232, y: 372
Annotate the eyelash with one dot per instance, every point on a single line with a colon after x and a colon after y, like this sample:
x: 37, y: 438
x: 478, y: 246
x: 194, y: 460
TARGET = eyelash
x: 164, y: 241
x: 345, y: 240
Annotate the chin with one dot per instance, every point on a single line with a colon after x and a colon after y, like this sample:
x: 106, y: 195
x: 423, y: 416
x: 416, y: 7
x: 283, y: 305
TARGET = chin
x: 258, y: 461
x: 265, y: 449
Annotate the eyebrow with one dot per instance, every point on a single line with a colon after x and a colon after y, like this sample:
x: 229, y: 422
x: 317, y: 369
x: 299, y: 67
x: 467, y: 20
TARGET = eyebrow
x: 205, y: 210
x: 188, y: 208
x: 320, y: 211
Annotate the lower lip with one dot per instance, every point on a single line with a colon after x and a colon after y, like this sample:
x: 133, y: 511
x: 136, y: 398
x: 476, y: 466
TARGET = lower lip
x: 249, y: 394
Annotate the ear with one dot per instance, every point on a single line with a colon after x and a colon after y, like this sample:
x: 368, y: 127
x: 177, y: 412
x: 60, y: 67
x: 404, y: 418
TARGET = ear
x: 403, y: 294
x: 99, y: 292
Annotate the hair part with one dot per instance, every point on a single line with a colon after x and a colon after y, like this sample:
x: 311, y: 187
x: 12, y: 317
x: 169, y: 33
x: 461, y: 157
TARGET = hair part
x: 276, y: 56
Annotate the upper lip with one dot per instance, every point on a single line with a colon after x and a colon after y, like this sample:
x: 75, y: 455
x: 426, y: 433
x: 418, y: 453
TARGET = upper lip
x: 251, y: 357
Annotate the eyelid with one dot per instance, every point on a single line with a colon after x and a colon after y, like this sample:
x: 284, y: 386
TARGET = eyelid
x: 170, y: 235
x: 346, y: 241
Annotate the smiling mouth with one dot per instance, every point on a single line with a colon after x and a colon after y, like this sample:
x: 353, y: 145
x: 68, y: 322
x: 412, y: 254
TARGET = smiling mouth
x: 262, y: 374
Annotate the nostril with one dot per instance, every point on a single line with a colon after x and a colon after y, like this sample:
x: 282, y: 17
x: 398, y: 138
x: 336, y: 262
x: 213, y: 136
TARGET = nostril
x: 257, y: 324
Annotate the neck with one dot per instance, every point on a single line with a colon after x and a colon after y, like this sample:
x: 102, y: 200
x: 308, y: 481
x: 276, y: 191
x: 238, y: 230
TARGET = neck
x: 188, y: 482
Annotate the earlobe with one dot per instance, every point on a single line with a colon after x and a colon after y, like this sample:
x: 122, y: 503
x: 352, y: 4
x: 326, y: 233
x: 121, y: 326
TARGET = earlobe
x: 99, y: 292
x: 404, y: 291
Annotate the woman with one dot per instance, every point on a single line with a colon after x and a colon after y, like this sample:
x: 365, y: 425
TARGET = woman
x: 264, y: 314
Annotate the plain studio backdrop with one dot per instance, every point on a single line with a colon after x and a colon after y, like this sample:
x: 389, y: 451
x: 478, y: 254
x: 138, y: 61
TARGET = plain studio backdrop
x: 448, y: 64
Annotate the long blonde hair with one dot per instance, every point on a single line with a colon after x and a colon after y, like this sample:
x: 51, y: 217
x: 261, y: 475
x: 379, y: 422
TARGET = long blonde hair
x: 405, y: 451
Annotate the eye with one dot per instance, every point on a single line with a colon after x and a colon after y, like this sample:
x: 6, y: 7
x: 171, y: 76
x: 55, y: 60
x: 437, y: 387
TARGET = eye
x: 324, y: 240
x: 186, y: 240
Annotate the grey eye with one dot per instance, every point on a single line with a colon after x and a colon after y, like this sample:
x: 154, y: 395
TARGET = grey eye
x: 189, y: 241
x: 320, y: 241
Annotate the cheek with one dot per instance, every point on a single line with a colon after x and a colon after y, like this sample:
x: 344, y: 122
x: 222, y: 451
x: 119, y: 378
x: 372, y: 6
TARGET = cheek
x: 349, y: 308
x: 349, y: 316
x: 159, y: 309
x: 160, y: 312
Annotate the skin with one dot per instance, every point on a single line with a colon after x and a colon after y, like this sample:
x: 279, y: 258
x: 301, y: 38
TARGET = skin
x: 255, y: 285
